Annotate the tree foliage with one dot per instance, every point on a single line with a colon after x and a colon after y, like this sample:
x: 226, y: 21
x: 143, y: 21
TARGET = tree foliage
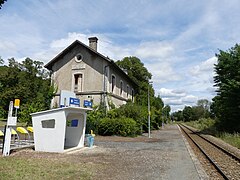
x: 28, y: 82
x: 177, y: 116
x: 187, y: 113
x: 1, y: 60
x: 135, y: 112
x: 139, y: 114
x: 226, y: 104
x: 201, y: 110
x: 2, y: 2
x: 140, y: 75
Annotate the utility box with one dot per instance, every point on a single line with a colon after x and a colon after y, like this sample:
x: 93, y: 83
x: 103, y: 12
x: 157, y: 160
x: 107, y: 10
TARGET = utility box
x: 59, y: 129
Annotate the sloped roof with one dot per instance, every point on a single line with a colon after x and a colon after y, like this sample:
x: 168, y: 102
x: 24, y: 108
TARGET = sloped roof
x: 77, y: 42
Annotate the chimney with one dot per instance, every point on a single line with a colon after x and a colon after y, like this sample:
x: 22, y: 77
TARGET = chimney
x: 93, y: 43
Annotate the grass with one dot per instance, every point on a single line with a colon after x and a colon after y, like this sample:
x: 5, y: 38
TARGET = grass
x: 203, y: 124
x: 4, y: 122
x: 233, y: 139
x: 33, y: 168
x: 208, y: 126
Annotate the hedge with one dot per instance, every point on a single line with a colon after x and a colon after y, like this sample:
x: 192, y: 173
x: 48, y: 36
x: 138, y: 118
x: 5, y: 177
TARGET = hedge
x: 117, y: 126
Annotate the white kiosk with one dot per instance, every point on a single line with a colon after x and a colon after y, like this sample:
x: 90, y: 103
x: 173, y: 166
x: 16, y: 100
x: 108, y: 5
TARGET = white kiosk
x: 58, y: 129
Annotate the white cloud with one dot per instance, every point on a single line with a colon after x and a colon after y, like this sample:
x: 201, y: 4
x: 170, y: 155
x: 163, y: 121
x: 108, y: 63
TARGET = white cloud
x: 163, y: 72
x: 71, y: 37
x: 171, y: 38
x: 159, y: 50
x: 171, y: 93
x: 189, y: 99
x: 177, y: 99
x: 172, y: 102
x: 7, y: 46
x: 205, y: 67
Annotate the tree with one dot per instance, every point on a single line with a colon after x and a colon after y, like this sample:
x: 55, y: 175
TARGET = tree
x: 226, y: 105
x: 158, y: 103
x: 204, y: 103
x: 178, y: 116
x: 140, y: 75
x: 202, y: 110
x: 135, y: 69
x: 187, y: 113
x: 2, y: 2
x: 198, y: 112
x: 166, y: 112
x: 1, y: 60
x: 26, y: 81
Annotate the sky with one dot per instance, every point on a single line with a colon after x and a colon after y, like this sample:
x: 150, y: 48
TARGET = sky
x: 176, y: 39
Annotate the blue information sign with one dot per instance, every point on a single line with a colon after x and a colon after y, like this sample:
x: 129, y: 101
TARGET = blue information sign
x: 74, y: 101
x: 87, y: 103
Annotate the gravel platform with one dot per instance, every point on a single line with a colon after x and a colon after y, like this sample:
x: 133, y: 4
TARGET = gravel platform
x: 163, y: 156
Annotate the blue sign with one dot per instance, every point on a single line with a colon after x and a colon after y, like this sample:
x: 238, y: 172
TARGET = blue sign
x: 74, y: 101
x: 87, y: 103
x: 74, y: 123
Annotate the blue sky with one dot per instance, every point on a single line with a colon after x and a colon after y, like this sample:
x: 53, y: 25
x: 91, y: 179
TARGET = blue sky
x: 175, y: 39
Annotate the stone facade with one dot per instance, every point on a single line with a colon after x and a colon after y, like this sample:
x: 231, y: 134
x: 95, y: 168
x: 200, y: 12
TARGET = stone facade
x: 81, y: 69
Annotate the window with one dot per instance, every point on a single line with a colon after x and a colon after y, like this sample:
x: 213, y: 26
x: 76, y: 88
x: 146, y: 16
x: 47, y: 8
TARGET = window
x: 78, y: 57
x: 72, y: 123
x: 121, y: 87
x: 113, y: 82
x: 50, y: 123
x: 78, y: 82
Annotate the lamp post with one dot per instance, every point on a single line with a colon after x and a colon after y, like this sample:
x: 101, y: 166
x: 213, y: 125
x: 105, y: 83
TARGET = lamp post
x: 149, y: 112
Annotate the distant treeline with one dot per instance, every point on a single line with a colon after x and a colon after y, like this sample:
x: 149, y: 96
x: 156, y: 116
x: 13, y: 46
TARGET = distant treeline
x: 225, y: 107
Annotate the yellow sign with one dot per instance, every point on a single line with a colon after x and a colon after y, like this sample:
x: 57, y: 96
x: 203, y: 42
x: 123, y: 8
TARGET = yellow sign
x: 17, y: 103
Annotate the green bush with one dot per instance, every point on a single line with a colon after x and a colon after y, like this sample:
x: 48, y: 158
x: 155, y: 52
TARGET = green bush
x: 202, y: 124
x: 136, y: 112
x: 93, y: 119
x: 118, y: 126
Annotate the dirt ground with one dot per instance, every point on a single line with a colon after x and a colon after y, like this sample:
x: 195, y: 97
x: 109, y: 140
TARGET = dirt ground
x: 163, y: 156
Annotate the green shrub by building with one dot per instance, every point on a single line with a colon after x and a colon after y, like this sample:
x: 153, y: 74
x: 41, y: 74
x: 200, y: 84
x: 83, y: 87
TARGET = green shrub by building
x: 118, y: 126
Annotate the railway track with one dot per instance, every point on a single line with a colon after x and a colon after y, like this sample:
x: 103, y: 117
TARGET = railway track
x: 224, y: 162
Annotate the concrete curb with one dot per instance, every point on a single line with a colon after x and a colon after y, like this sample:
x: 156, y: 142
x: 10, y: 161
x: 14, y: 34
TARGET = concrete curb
x: 77, y: 149
x: 201, y: 172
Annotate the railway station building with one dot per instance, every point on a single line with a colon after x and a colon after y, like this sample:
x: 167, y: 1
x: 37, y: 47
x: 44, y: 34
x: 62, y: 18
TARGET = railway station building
x: 90, y: 75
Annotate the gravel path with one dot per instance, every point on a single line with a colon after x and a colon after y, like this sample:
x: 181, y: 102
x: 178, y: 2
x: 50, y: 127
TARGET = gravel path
x: 164, y: 156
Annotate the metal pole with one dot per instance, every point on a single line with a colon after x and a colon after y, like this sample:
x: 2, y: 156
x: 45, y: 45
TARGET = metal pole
x: 149, y: 136
x: 105, y: 90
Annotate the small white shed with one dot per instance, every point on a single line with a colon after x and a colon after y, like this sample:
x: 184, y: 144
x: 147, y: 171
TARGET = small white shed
x: 58, y: 129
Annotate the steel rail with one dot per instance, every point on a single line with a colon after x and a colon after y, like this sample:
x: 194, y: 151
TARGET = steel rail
x: 205, y: 154
x: 219, y: 147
